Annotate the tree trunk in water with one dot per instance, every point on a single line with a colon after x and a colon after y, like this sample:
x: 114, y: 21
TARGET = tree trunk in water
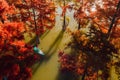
x: 78, y: 25
x: 35, y: 23
x: 64, y: 21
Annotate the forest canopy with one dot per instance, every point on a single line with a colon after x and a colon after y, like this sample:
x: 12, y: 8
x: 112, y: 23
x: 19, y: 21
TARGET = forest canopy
x: 94, y: 44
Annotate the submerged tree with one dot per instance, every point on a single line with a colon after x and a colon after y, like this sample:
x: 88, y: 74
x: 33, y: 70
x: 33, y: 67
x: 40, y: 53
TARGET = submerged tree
x: 65, y: 6
x: 16, y: 57
x: 16, y: 18
x: 100, y: 12
x: 38, y: 15
x: 93, y: 52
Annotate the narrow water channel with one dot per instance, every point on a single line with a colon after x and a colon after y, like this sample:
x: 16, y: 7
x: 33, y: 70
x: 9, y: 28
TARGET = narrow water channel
x: 51, y: 42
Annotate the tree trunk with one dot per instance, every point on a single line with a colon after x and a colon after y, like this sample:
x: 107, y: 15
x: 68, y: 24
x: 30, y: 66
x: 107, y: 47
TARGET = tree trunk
x: 35, y: 23
x: 78, y: 25
x: 64, y: 21
x: 113, y: 19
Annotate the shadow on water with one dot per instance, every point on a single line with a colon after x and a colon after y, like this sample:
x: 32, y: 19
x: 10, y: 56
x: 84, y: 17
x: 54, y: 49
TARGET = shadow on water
x: 33, y: 40
x: 53, y: 47
x: 67, y: 76
x: 50, y: 51
x: 42, y: 36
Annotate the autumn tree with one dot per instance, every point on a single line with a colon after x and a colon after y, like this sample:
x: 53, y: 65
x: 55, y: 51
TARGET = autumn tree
x: 100, y: 12
x: 92, y: 54
x: 16, y: 57
x: 64, y: 4
x: 38, y: 15
x: 94, y: 50
x: 16, y: 18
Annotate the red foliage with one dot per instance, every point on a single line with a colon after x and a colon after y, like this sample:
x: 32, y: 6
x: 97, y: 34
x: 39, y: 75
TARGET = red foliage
x: 99, y: 12
x: 38, y: 15
x: 16, y: 56
x: 69, y: 63
x: 91, y: 53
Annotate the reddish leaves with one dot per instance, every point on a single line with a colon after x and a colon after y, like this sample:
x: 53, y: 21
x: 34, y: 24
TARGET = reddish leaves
x: 15, y: 55
x: 92, y: 53
x: 38, y: 15
x: 69, y: 63
x: 99, y: 12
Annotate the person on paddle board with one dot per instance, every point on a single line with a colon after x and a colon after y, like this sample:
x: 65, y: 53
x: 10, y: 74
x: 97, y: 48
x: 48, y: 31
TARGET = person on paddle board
x: 38, y: 51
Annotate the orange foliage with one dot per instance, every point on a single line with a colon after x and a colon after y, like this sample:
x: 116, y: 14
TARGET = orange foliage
x: 99, y: 12
x: 16, y: 56
x: 38, y: 15
x: 93, y: 52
